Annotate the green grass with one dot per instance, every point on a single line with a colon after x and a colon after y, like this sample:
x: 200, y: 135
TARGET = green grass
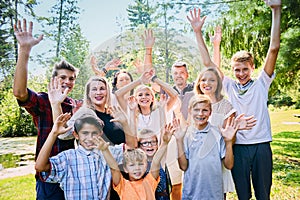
x: 18, y: 188
x: 286, y: 159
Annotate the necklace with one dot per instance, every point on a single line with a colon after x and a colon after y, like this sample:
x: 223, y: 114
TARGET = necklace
x: 147, y: 118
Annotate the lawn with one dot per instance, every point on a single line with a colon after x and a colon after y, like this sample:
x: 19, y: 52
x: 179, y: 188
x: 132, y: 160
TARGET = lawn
x: 286, y: 156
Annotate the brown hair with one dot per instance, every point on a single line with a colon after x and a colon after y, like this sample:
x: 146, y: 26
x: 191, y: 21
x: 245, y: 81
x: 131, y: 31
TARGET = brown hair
x: 64, y: 65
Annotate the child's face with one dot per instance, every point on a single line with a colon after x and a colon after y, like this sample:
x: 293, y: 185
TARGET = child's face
x: 136, y: 169
x: 66, y: 79
x: 144, y: 97
x: 208, y: 83
x: 98, y: 93
x: 86, y: 136
x: 200, y: 114
x: 149, y: 145
x: 242, y: 71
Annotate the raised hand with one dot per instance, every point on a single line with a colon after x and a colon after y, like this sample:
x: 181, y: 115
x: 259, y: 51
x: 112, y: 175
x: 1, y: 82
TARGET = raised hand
x: 245, y: 123
x: 132, y: 104
x: 146, y: 76
x: 148, y: 38
x: 113, y: 64
x: 273, y: 3
x: 118, y: 115
x: 230, y: 130
x: 24, y: 37
x: 59, y: 124
x: 217, y: 37
x: 168, y: 132
x: 100, y: 143
x: 139, y: 65
x: 195, y: 20
x: 179, y: 132
x: 163, y: 100
x: 55, y: 94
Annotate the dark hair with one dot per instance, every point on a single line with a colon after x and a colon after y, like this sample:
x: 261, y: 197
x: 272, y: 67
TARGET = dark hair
x: 88, y: 119
x: 115, y: 80
x: 64, y: 65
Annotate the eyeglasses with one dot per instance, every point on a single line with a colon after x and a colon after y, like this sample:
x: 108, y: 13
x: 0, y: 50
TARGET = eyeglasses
x: 151, y: 143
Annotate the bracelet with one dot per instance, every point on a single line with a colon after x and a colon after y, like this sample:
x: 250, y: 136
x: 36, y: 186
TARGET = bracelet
x: 104, y: 70
x: 153, y: 78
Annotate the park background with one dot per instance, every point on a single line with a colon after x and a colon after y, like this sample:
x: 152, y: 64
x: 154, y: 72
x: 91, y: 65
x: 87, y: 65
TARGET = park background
x: 73, y: 30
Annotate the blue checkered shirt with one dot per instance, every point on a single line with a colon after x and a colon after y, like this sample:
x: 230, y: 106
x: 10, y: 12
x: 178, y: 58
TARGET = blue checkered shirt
x: 83, y: 174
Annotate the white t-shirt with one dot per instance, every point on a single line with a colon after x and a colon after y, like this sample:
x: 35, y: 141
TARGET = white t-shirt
x: 253, y: 102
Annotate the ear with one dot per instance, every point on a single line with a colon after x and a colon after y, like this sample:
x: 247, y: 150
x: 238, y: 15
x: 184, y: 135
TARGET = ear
x: 76, y: 135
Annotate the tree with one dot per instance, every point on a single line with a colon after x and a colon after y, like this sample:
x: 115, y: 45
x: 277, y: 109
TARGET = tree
x: 139, y: 13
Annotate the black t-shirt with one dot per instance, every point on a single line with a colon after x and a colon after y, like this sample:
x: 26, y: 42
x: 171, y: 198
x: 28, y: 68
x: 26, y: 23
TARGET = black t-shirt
x: 113, y: 131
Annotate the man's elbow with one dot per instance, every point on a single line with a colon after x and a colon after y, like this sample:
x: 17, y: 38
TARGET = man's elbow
x: 21, y: 95
x: 274, y: 48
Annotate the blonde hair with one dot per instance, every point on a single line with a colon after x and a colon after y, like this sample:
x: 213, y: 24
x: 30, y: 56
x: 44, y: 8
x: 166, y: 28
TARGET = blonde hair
x: 87, y: 100
x: 144, y: 87
x: 218, y: 92
x: 145, y: 133
x: 197, y: 98
x: 243, y: 56
x: 133, y: 156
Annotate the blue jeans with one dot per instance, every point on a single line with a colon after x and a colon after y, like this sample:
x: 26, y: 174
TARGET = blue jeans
x: 48, y: 191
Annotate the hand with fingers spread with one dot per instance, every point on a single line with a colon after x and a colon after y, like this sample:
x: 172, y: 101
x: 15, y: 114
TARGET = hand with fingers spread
x: 113, y: 64
x: 179, y: 132
x: 168, y: 132
x: 24, y: 36
x: 146, y: 76
x: 118, y: 115
x: 132, y: 103
x: 195, y: 20
x: 162, y: 100
x: 245, y: 123
x: 139, y: 65
x: 230, y: 130
x: 55, y: 94
x: 59, y: 124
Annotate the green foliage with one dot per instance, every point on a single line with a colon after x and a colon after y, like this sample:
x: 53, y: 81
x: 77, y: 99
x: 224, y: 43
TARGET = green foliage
x: 139, y: 13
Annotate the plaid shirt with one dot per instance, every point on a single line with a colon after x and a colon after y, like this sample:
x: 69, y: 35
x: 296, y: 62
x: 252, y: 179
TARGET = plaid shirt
x: 39, y: 107
x: 83, y: 174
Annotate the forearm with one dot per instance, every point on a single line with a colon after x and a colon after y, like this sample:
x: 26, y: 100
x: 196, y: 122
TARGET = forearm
x: 182, y: 161
x: 148, y: 59
x: 113, y: 165
x: 130, y: 136
x: 56, y: 110
x: 155, y: 165
x: 217, y: 55
x: 122, y: 91
x: 97, y: 71
x: 21, y: 74
x: 207, y: 62
x: 169, y: 90
x: 42, y: 161
x: 229, y: 158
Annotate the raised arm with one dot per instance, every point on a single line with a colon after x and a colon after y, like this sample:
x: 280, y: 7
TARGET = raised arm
x: 197, y: 23
x: 149, y: 41
x: 228, y: 134
x: 42, y: 163
x: 216, y: 41
x: 173, y: 95
x: 145, y: 78
x: 26, y: 41
x: 110, y: 160
x: 110, y: 65
x: 269, y: 65
x: 179, y: 135
x: 130, y: 134
x: 155, y: 165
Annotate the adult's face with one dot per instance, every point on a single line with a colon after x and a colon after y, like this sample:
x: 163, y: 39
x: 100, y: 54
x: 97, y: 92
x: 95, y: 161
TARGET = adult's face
x: 180, y: 76
x: 66, y: 79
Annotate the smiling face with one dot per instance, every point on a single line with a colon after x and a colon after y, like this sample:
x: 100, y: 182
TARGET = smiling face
x: 200, y: 114
x: 87, y: 134
x: 66, y: 78
x: 144, y: 97
x: 180, y: 76
x: 122, y: 80
x: 135, y: 164
x: 208, y: 83
x: 98, y: 93
x: 149, y: 146
x: 242, y: 71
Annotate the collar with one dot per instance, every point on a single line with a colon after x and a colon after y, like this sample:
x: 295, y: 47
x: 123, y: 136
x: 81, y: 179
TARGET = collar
x: 242, y: 89
x: 82, y: 150
x: 203, y: 131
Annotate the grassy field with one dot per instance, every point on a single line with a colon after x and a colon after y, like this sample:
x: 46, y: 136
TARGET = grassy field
x: 286, y: 156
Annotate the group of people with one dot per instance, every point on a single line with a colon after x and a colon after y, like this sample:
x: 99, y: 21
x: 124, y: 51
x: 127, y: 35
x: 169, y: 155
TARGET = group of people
x: 124, y: 143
